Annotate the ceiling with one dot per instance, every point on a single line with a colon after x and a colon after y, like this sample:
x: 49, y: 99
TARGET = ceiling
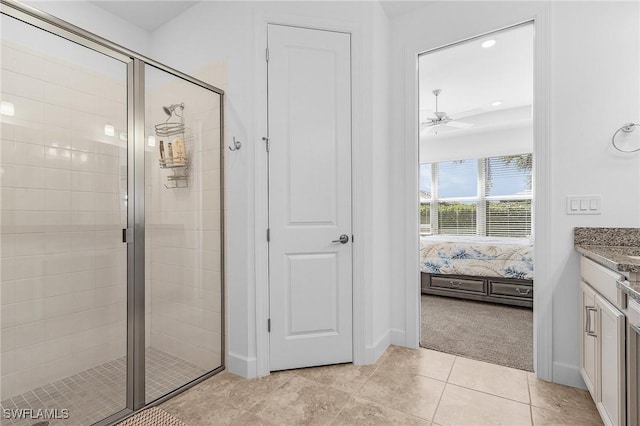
x: 395, y: 8
x: 152, y: 14
x: 148, y: 15
x: 472, y: 77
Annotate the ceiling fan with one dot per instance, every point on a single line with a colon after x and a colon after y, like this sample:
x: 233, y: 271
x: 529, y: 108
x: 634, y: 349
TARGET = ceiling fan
x: 441, y: 118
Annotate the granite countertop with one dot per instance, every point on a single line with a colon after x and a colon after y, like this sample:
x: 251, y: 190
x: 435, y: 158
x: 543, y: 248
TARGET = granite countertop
x: 618, y: 258
x: 615, y: 248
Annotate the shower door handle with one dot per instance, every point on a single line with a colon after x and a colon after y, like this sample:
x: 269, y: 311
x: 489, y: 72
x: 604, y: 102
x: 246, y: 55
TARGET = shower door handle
x: 127, y: 235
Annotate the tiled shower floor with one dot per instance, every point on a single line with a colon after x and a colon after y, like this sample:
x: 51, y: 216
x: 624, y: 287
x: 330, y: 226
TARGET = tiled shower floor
x: 99, y: 392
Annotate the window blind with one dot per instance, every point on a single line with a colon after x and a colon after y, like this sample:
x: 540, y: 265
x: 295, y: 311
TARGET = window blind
x: 508, y: 218
x: 457, y: 218
x: 508, y: 175
x: 488, y: 196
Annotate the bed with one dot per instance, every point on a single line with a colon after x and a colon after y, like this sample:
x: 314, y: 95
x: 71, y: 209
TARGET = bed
x: 479, y: 268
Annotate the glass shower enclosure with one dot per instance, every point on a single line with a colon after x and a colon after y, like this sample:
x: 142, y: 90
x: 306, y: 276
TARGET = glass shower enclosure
x: 111, y: 208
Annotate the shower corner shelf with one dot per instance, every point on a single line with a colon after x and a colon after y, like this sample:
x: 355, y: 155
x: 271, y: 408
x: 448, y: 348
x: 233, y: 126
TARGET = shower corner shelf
x: 180, y: 172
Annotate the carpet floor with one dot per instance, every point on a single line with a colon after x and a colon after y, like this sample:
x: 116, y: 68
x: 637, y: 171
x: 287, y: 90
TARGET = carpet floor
x: 498, y: 334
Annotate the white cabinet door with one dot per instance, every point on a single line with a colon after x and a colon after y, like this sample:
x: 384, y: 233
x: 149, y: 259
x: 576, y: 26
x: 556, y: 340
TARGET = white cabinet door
x: 588, y: 337
x: 310, y: 257
x: 610, y: 363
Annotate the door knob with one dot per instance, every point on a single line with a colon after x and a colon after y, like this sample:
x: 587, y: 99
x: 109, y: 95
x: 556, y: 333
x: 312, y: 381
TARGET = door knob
x: 343, y: 239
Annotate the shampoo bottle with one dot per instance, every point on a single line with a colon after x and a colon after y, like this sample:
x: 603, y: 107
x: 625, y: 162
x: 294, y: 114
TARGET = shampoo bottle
x: 162, y: 151
x: 179, y: 153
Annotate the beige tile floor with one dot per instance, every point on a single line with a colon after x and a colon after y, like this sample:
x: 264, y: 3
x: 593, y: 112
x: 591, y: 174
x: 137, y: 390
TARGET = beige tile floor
x: 405, y: 387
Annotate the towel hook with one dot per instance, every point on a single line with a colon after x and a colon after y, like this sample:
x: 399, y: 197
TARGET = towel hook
x: 626, y: 128
x: 236, y: 145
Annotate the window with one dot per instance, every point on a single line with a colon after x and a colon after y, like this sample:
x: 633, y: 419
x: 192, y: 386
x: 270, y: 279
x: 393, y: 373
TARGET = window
x: 425, y: 199
x: 487, y: 196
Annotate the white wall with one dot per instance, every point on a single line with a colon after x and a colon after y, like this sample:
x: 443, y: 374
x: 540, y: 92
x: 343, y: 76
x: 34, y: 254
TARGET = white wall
x: 594, y: 90
x: 508, y: 139
x: 380, y: 268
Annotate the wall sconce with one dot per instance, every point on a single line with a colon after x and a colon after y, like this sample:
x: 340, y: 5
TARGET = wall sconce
x: 151, y: 141
x: 109, y: 130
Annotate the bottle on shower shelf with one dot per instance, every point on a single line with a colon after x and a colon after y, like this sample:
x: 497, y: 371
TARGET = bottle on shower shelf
x: 179, y: 153
x: 162, y: 151
x: 170, y: 152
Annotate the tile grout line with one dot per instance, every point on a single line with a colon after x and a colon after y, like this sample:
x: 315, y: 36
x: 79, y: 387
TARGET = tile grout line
x: 335, y: 417
x: 433, y: 417
x: 487, y: 393
x: 357, y: 393
x: 453, y: 364
x: 393, y: 349
x: 412, y: 375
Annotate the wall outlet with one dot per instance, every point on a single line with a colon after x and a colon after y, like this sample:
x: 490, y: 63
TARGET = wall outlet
x: 585, y: 204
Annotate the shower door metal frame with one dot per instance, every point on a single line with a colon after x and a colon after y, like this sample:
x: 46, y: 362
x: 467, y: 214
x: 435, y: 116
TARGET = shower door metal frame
x: 135, y: 252
x: 135, y: 62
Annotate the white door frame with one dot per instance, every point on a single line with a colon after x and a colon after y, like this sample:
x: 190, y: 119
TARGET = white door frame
x: 542, y: 310
x: 358, y: 172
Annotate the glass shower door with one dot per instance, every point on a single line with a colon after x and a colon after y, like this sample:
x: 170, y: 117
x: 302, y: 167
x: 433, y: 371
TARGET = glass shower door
x: 183, y: 238
x: 63, y: 274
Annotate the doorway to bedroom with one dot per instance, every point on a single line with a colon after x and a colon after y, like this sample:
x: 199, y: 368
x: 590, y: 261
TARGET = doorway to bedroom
x: 476, y: 197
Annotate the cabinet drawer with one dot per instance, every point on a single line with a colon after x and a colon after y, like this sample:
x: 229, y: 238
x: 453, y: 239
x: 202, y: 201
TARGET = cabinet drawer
x: 500, y: 289
x: 469, y: 286
x: 602, y: 279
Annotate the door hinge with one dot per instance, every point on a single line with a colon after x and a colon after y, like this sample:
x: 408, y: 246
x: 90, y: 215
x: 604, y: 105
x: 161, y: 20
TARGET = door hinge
x: 268, y: 234
x: 269, y: 325
x: 267, y: 54
x: 266, y: 143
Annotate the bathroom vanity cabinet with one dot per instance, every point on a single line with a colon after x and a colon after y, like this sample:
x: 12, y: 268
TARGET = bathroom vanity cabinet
x: 610, y: 320
x: 603, y: 340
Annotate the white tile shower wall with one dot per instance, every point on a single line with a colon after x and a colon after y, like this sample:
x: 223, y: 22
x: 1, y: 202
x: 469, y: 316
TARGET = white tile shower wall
x: 184, y: 238
x: 63, y: 270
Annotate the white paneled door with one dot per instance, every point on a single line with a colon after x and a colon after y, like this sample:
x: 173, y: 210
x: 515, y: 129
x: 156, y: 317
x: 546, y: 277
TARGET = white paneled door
x: 310, y: 249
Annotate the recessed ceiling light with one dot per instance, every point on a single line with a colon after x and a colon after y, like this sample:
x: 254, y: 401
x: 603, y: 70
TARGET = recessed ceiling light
x: 496, y: 103
x: 7, y: 108
x: 109, y: 130
x: 488, y: 43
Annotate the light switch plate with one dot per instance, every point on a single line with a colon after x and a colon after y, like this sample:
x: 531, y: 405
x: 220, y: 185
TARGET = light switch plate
x: 584, y: 204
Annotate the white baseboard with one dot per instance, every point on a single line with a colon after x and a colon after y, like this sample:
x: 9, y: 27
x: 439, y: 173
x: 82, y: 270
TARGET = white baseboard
x: 568, y: 375
x: 373, y: 352
x: 399, y: 338
x: 241, y: 365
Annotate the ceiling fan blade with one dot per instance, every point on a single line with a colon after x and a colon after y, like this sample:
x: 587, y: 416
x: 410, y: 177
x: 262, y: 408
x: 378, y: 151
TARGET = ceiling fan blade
x: 425, y: 130
x: 459, y: 124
